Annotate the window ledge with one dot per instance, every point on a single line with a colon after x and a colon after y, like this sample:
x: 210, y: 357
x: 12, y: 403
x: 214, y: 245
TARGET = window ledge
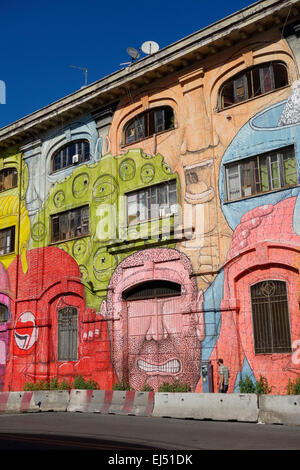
x: 220, y: 110
x: 261, y: 194
x: 69, y: 239
x: 148, y: 137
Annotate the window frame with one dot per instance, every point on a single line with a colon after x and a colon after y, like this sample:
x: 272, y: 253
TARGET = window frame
x: 13, y: 170
x: 148, y: 198
x: 256, y: 166
x: 12, y: 248
x: 71, y: 331
x: 258, y: 350
x: 67, y: 146
x: 69, y: 220
x: 248, y: 77
x: 150, y: 124
x: 4, y: 313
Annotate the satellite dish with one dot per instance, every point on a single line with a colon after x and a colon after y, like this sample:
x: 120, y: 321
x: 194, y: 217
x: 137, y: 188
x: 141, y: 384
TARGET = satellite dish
x: 150, y: 47
x: 134, y: 54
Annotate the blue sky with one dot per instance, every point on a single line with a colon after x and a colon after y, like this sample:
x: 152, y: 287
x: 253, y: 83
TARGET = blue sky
x: 41, y: 39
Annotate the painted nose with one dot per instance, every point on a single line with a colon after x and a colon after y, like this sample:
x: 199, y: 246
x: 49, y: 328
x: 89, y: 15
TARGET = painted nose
x: 157, y: 329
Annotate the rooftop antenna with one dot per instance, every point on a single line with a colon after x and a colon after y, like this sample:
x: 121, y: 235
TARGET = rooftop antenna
x: 133, y: 53
x: 150, y: 47
x: 83, y: 69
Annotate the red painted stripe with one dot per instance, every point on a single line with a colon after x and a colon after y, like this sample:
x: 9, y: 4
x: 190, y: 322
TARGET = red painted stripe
x: 3, y: 401
x: 25, y: 402
x: 88, y: 398
x: 150, y: 404
x: 129, y: 399
x: 107, y: 400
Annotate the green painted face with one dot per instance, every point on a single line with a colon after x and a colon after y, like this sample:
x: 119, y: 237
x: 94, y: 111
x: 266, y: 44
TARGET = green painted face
x: 103, y: 187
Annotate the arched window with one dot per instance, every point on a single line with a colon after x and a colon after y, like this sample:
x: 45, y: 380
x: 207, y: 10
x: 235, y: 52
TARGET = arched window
x: 270, y: 315
x: 152, y: 289
x: 8, y: 178
x: 71, y: 154
x: 150, y: 122
x: 253, y: 82
x: 67, y: 334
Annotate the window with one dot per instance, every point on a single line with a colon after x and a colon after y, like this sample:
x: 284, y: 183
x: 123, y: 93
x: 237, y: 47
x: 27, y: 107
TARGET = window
x: 253, y: 82
x: 7, y: 240
x: 3, y: 313
x: 148, y: 123
x: 8, y: 178
x: 67, y: 334
x: 262, y: 173
x: 153, y: 289
x: 75, y: 152
x: 270, y: 317
x: 70, y: 224
x: 152, y: 202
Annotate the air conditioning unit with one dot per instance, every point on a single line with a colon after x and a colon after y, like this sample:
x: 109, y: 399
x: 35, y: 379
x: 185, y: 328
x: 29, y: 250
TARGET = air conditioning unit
x: 76, y: 158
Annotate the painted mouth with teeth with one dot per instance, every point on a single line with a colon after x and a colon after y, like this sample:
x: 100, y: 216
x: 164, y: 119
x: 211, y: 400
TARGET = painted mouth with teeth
x: 172, y: 366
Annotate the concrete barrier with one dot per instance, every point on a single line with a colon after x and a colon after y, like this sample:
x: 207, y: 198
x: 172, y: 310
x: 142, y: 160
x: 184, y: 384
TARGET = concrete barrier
x: 112, y: 402
x: 279, y: 409
x: 17, y: 402
x: 51, y: 400
x: 214, y: 406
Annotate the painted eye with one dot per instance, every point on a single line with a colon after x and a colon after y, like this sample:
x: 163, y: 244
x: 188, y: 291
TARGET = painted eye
x: 103, y: 264
x: 105, y: 189
x: 127, y: 169
x: 38, y: 231
x: 166, y: 168
x: 147, y: 173
x: 59, y: 198
x: 80, y: 184
x: 79, y: 248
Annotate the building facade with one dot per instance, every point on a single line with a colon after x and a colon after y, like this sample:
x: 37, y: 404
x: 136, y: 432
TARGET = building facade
x: 149, y: 222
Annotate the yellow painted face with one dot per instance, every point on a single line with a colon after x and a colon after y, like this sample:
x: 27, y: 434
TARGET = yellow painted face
x: 13, y: 213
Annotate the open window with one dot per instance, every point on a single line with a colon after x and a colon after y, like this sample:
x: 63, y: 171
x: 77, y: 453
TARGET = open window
x: 148, y: 123
x: 253, y: 82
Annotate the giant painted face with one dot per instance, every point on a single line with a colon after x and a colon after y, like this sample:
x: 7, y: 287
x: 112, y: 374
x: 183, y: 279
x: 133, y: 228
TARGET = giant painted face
x: 155, y: 339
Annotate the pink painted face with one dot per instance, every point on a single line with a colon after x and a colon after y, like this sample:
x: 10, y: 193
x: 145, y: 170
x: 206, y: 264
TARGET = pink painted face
x: 156, y: 339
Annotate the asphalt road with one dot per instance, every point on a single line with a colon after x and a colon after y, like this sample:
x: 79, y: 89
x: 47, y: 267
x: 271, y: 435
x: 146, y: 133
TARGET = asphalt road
x: 116, y: 433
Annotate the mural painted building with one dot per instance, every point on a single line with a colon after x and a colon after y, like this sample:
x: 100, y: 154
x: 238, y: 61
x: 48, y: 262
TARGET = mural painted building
x: 151, y: 225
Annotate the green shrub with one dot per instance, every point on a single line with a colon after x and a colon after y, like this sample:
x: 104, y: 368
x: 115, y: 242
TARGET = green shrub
x: 246, y: 385
x: 54, y: 385
x: 261, y: 387
x: 79, y: 383
x: 122, y: 386
x: 147, y: 388
x: 176, y: 386
x: 293, y: 388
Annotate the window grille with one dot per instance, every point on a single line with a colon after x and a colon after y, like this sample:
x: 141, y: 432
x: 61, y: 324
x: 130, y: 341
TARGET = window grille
x: 67, y: 334
x: 8, y: 179
x: 270, y: 317
x: 7, y: 240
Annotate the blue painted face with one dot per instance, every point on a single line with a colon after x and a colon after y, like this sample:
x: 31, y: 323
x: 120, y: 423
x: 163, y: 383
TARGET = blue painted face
x: 260, y: 134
